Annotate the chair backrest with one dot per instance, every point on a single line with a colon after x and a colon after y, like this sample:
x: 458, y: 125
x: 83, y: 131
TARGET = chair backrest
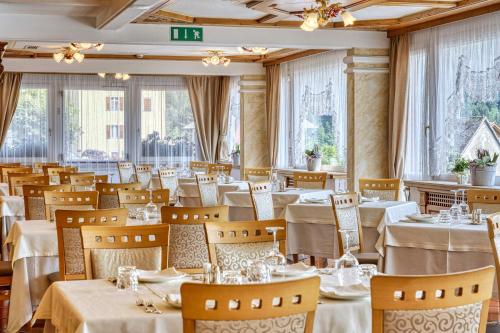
x: 209, y: 193
x: 6, y: 171
x: 68, y: 222
x: 487, y: 200
x: 257, y: 174
x: 346, y: 212
x: 65, y: 176
x: 140, y: 198
x: 168, y: 180
x: 10, y: 165
x: 188, y: 249
x: 83, y: 200
x: 445, y: 302
x: 38, y: 166
x: 385, y: 189
x: 287, y: 306
x: 108, y: 193
x: 54, y: 172
x: 34, y: 199
x: 226, y: 168
x: 198, y: 166
x: 126, y: 172
x: 144, y: 175
x: 494, y: 235
x: 107, y: 248
x: 262, y: 201
x: 83, y: 182
x: 230, y: 244
x: 17, y: 180
x: 309, y: 179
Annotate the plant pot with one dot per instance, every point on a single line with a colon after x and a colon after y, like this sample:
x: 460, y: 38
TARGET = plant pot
x: 483, y: 176
x: 236, y: 159
x: 462, y: 178
x: 313, y: 164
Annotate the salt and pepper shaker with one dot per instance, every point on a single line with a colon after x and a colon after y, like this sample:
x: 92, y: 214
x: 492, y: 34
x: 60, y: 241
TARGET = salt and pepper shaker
x: 476, y: 216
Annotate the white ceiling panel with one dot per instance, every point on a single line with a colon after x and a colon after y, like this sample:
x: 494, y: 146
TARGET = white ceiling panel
x: 212, y: 8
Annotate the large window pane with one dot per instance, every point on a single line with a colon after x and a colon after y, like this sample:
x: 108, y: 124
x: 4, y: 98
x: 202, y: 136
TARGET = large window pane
x: 27, y: 138
x: 233, y: 133
x: 168, y: 135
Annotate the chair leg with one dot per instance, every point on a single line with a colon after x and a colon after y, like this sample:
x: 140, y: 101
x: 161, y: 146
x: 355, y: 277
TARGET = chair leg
x: 295, y: 258
x: 313, y: 260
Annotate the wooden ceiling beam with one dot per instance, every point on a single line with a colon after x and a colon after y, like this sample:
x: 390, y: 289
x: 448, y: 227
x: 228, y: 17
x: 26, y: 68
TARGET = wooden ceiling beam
x: 421, y: 3
x: 362, y: 4
x: 175, y: 16
x: 111, y: 11
x: 73, y: 3
x: 294, y: 56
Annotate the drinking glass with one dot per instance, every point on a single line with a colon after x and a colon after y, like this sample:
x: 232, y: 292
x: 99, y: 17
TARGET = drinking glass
x: 127, y: 278
x: 455, y: 210
x: 151, y: 211
x: 274, y: 180
x: 366, y: 272
x: 232, y: 277
x: 258, y: 271
x: 347, y: 265
x: 464, y: 207
x: 444, y: 216
x: 275, y: 260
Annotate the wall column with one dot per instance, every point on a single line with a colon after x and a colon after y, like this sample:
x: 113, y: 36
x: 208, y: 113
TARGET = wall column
x: 253, y: 122
x: 367, y: 114
x: 3, y: 46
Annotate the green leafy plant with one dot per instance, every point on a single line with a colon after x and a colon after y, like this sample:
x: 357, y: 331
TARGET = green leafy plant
x: 484, y: 159
x: 460, y: 165
x: 236, y: 150
x: 313, y: 153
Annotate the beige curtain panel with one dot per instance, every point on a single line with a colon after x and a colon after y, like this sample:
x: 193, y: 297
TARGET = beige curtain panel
x: 209, y: 96
x: 10, y: 85
x: 273, y: 110
x: 398, y: 115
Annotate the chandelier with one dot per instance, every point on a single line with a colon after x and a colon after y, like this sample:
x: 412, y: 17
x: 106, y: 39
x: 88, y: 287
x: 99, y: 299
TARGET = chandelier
x: 256, y: 50
x: 118, y: 76
x: 322, y: 14
x: 215, y: 58
x: 73, y: 52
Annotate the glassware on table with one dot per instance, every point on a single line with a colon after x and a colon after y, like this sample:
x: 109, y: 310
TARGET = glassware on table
x: 232, y: 277
x: 366, y: 272
x: 444, y: 216
x: 274, y: 180
x: 127, y: 278
x: 258, y: 271
x: 347, y: 264
x: 455, y: 210
x: 275, y: 260
x: 464, y: 207
x: 151, y: 211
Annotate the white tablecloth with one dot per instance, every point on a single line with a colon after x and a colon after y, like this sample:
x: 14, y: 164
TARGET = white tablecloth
x: 240, y: 203
x: 4, y: 189
x: 311, y: 227
x: 12, y: 209
x: 189, y: 196
x: 97, y: 306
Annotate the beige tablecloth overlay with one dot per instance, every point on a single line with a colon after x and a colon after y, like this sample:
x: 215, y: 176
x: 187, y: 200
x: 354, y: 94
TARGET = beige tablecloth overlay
x: 189, y: 196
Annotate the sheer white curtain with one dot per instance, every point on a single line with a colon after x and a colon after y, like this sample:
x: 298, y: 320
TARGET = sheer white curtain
x: 453, y: 84
x: 313, y: 109
x: 233, y: 135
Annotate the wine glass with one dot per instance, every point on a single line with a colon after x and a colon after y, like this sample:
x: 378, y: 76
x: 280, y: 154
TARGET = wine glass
x: 455, y: 210
x: 275, y: 260
x: 464, y: 207
x: 151, y: 210
x: 347, y: 264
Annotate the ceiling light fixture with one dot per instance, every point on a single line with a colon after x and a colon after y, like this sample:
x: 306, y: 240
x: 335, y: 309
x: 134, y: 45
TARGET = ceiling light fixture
x: 118, y: 76
x: 86, y: 46
x: 215, y: 58
x: 320, y: 15
x: 255, y: 49
x: 68, y: 55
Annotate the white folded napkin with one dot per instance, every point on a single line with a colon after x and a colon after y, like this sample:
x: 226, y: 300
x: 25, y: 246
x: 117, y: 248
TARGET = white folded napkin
x: 353, y: 290
x: 373, y: 199
x: 174, y: 300
x: 297, y: 269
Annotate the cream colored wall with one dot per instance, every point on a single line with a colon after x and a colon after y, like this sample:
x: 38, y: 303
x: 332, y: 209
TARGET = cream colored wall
x: 367, y: 114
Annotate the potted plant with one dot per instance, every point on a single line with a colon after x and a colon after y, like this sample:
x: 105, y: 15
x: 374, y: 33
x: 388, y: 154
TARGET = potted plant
x: 235, y: 155
x: 313, y: 159
x: 483, y: 168
x: 460, y: 169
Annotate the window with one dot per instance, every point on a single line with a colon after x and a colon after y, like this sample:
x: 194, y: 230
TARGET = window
x: 114, y: 132
x: 313, y: 110
x: 146, y: 104
x: 233, y: 135
x: 114, y: 103
x: 453, y: 98
x: 27, y: 137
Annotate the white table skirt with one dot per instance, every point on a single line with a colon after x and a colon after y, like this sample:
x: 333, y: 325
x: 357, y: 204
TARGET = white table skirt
x: 97, y: 306
x: 4, y: 189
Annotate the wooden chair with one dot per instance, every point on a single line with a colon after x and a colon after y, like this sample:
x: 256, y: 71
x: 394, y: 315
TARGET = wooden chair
x: 69, y: 222
x: 10, y: 165
x: 309, y: 179
x: 144, y: 175
x: 82, y: 182
x: 494, y: 235
x: 256, y: 175
x: 286, y: 306
x: 6, y: 171
x: 17, y: 180
x: 5, y: 287
x: 34, y: 199
x: 447, y: 303
x: 142, y: 246
x: 53, y: 172
x: 188, y: 249
x: 65, y: 176
x: 84, y: 200
x: 168, y: 180
x: 262, y: 201
x: 384, y: 189
x: 140, y: 198
x: 209, y: 192
x: 230, y: 244
x: 198, y: 166
x: 108, y: 193
x: 226, y: 168
x: 487, y: 200
x: 126, y: 172
x: 346, y: 211
x: 38, y: 166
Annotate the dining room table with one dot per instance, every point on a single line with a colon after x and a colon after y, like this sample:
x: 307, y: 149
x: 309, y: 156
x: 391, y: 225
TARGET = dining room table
x: 97, y: 306
x: 189, y: 195
x: 11, y: 210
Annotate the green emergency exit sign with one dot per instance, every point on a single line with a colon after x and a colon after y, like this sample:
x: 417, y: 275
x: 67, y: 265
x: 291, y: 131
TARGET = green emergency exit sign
x: 186, y: 34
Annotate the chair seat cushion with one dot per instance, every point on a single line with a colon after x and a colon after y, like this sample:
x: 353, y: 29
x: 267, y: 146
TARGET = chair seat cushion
x: 367, y: 258
x: 54, y: 277
x: 5, y: 268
